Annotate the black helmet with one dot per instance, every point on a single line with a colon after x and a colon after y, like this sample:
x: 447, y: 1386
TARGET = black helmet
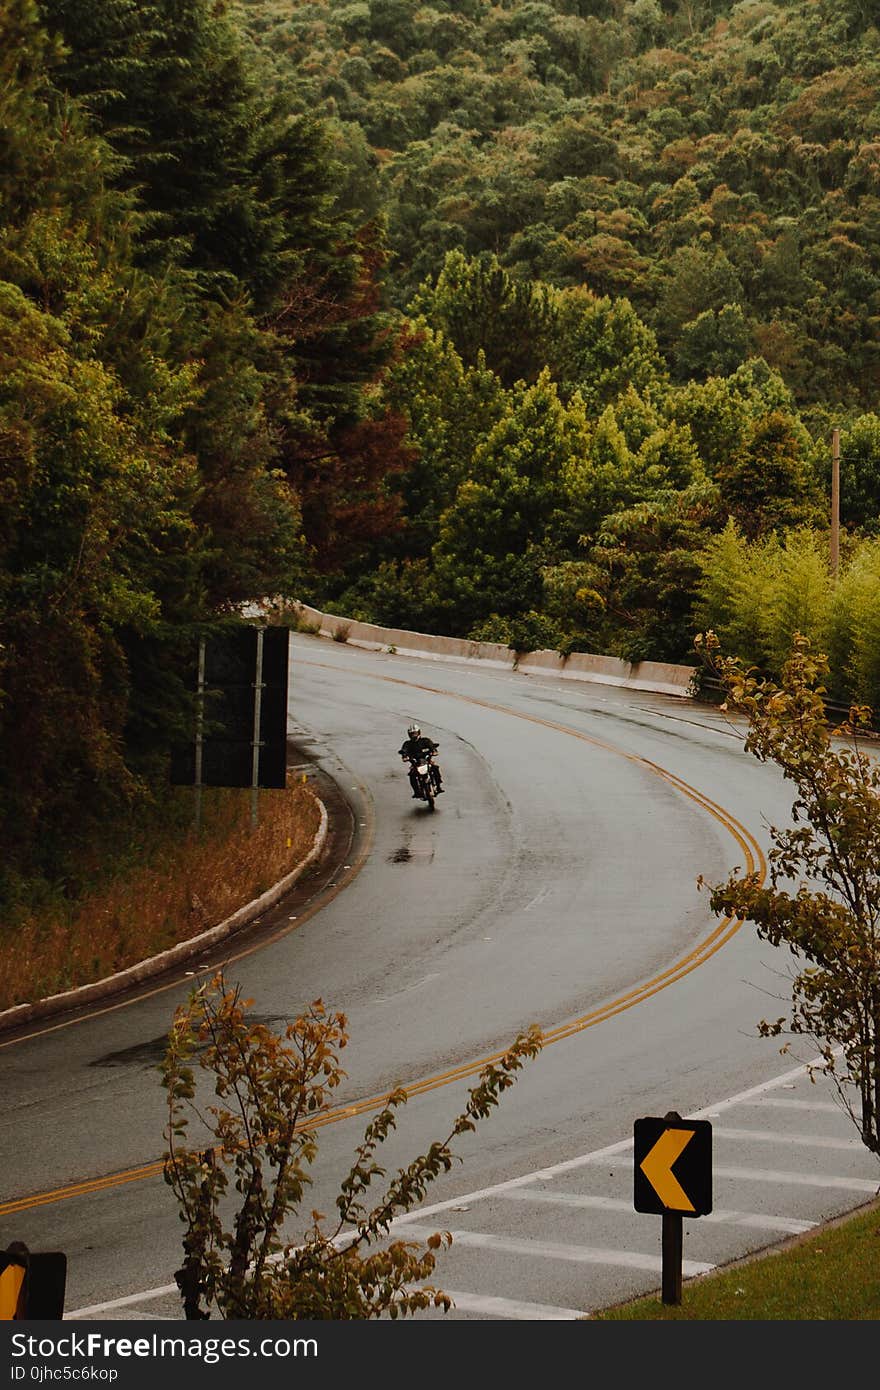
x: 414, y: 731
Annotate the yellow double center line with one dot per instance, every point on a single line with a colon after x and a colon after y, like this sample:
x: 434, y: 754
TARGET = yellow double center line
x: 755, y: 863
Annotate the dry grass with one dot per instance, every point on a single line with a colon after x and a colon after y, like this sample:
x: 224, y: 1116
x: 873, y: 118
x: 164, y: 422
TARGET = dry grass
x: 179, y: 885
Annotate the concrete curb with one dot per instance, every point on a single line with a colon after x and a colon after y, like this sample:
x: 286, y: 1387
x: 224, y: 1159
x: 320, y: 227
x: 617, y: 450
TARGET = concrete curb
x: 185, y: 950
x: 661, y: 677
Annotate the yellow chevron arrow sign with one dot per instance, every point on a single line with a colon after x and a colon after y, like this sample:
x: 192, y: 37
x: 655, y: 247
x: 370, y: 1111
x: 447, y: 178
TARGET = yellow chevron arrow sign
x: 657, y: 1167
x: 12, y: 1292
x: 663, y: 1145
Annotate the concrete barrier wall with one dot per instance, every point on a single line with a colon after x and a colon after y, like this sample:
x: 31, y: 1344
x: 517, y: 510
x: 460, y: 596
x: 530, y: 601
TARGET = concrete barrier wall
x: 660, y: 676
x: 408, y: 643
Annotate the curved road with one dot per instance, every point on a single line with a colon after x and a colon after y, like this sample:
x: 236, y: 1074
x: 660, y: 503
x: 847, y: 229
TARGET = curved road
x: 555, y: 883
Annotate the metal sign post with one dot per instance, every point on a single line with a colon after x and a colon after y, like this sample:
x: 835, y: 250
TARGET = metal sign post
x: 239, y: 735
x: 661, y: 1145
x: 200, y: 720
x: 672, y: 1247
x: 255, y: 760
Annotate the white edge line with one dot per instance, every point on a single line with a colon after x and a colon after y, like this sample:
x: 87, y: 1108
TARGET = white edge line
x: 96, y: 1308
x: 567, y: 1166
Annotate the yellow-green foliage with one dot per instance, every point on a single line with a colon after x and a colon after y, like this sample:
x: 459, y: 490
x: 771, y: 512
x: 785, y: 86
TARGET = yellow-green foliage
x: 732, y: 593
x: 756, y: 595
x: 797, y: 595
x: 857, y: 602
x: 240, y: 1259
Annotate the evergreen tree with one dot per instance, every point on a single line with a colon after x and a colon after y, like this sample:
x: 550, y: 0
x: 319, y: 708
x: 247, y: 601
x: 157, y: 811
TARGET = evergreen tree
x: 497, y: 533
x: 768, y: 484
x: 483, y: 309
x: 450, y: 408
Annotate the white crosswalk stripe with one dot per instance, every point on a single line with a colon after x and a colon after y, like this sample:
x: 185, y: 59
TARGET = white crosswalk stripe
x: 485, y: 1306
x: 585, y: 1201
x: 503, y: 1248
x: 786, y: 1103
x: 555, y: 1250
x: 810, y: 1141
x: 785, y: 1177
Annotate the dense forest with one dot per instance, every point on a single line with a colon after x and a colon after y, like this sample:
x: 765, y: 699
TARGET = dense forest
x: 528, y: 321
x: 189, y: 331
x: 692, y: 156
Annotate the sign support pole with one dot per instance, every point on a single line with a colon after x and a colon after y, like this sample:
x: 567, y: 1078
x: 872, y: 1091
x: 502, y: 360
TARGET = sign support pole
x: 255, y: 761
x: 200, y: 715
x: 672, y: 1253
x: 672, y: 1242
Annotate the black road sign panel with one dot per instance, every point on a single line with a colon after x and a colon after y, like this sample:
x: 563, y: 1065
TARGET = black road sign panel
x: 673, y: 1166
x: 228, y: 721
x: 32, y: 1284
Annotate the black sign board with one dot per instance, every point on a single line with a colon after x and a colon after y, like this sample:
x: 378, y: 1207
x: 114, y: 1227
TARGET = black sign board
x: 673, y: 1166
x: 228, y: 704
x: 32, y: 1283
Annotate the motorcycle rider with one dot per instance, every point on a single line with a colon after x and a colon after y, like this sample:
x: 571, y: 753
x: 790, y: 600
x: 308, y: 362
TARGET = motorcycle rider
x: 417, y: 748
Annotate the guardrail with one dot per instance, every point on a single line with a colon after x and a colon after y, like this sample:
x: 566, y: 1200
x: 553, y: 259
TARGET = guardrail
x: 662, y: 677
x: 710, y: 690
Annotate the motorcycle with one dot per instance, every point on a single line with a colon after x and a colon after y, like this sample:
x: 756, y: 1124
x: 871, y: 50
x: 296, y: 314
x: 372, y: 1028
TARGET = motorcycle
x: 423, y: 780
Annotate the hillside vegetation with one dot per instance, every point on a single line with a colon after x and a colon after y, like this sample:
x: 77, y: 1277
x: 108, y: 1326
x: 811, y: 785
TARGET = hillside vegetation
x: 188, y: 326
x: 634, y: 247
x: 528, y: 322
x: 693, y: 156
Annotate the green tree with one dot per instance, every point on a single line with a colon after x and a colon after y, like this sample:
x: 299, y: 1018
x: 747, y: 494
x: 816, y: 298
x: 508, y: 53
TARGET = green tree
x: 571, y: 600
x: 822, y: 901
x: 630, y: 455
x: 498, y: 532
x: 853, y: 642
x: 715, y: 343
x: 768, y: 482
x: 732, y: 591
x: 797, y: 595
x: 260, y: 1135
x: 97, y: 549
x: 240, y: 203
x: 722, y: 411
x: 230, y: 181
x: 697, y: 280
x: 756, y: 595
x: 246, y: 511
x: 646, y: 569
x: 859, y: 474
x: 601, y: 348
x: 450, y: 409
x: 481, y: 308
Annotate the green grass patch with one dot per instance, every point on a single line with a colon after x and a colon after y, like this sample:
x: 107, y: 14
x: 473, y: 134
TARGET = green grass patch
x: 829, y: 1275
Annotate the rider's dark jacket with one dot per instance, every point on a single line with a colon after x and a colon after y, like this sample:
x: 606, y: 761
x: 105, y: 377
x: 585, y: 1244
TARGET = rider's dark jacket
x: 418, y: 748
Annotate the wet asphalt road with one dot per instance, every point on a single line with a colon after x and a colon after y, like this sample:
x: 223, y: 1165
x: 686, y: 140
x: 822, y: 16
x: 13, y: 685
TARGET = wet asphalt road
x: 557, y: 876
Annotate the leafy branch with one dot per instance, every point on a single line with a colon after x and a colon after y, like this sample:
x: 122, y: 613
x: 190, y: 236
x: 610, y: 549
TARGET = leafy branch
x: 823, y: 896
x: 260, y: 1138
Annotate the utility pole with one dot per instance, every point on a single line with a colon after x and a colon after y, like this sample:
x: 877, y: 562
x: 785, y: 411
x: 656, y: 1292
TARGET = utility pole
x: 835, y: 501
